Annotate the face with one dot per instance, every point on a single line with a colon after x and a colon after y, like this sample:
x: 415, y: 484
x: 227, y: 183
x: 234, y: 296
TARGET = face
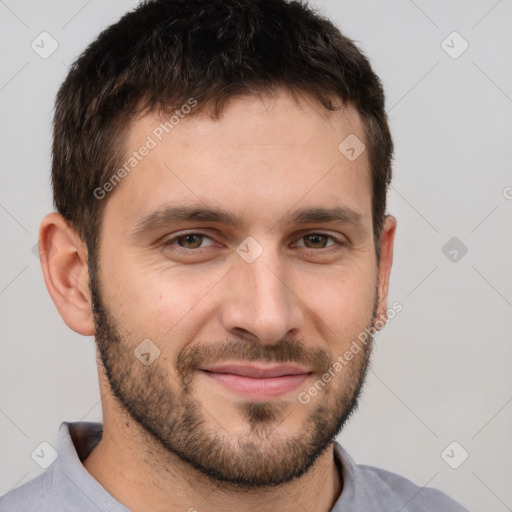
x: 215, y: 328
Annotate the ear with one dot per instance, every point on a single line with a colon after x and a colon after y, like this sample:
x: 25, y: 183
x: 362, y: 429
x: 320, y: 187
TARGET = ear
x: 63, y: 257
x: 387, y: 239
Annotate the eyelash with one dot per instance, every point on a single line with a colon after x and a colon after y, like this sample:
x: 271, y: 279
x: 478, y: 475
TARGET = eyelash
x: 170, y: 242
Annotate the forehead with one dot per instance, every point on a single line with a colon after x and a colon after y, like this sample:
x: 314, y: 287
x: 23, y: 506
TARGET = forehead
x: 262, y: 157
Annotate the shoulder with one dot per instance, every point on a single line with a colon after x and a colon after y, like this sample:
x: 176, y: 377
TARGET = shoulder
x: 37, y: 495
x: 406, y: 494
x: 372, y: 488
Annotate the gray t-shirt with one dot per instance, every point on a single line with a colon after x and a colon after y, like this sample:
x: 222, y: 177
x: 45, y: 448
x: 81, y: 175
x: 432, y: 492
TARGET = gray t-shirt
x: 66, y: 486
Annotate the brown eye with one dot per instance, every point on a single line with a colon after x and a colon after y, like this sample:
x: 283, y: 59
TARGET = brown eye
x: 190, y: 240
x: 318, y: 241
x: 187, y: 241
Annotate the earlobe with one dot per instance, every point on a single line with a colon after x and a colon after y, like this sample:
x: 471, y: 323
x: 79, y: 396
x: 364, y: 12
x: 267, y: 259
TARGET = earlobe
x: 63, y: 257
x: 387, y: 239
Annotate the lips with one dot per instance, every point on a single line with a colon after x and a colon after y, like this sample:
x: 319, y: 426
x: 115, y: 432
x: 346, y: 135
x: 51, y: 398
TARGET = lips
x: 257, y: 381
x: 258, y: 371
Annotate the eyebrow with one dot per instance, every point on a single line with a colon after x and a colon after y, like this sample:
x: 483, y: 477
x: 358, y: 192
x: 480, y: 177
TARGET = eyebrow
x: 176, y: 213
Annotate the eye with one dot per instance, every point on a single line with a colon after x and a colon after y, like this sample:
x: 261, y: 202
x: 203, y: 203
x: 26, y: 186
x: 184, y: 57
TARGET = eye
x: 193, y: 242
x: 318, y: 240
x: 187, y: 241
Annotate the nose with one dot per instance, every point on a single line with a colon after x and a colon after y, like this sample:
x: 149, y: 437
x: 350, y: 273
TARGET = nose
x: 260, y: 301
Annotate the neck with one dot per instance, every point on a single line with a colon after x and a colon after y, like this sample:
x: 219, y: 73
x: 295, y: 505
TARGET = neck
x: 146, y: 478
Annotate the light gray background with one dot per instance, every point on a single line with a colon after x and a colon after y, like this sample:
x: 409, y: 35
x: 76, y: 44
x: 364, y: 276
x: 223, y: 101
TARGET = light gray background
x: 441, y: 368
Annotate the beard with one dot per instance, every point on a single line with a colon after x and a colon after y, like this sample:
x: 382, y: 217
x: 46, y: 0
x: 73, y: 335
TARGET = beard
x: 168, y: 415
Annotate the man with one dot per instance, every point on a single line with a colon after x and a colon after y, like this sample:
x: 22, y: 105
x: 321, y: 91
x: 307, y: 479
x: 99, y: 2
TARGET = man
x: 220, y: 173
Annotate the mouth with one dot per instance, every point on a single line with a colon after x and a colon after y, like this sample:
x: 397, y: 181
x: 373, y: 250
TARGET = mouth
x: 257, y: 381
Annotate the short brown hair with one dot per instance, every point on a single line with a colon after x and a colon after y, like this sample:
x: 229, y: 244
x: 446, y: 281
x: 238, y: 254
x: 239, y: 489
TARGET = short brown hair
x: 164, y: 52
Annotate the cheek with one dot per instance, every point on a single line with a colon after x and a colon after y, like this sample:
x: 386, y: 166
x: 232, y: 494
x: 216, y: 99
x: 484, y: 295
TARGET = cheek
x: 342, y: 304
x: 165, y: 304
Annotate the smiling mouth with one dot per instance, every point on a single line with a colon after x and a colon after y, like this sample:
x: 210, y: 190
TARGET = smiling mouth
x: 257, y: 381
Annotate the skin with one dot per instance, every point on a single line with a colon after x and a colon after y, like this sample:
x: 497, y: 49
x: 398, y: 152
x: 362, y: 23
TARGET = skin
x: 262, y: 159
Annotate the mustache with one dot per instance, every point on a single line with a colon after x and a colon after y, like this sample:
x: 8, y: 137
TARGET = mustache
x: 285, y: 350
